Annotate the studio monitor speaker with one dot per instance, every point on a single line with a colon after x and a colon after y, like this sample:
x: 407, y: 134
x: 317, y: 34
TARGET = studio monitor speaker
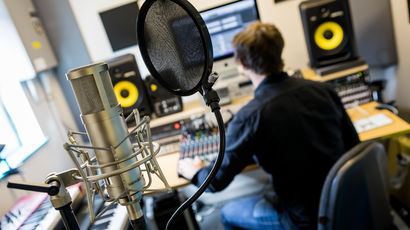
x: 128, y: 85
x: 328, y: 31
x: 163, y: 102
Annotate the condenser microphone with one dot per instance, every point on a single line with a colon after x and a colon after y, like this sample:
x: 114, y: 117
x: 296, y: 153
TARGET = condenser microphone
x: 107, y: 131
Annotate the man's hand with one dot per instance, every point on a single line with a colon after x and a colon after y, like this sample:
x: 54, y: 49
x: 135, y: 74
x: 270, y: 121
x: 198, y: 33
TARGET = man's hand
x: 189, y: 167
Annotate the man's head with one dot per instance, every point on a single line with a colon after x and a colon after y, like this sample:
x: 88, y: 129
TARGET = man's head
x: 259, y: 48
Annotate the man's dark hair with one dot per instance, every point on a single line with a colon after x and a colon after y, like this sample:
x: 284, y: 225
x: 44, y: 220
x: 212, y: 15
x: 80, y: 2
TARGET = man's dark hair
x: 259, y: 48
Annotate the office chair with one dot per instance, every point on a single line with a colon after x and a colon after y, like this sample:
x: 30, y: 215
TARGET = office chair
x: 355, y: 193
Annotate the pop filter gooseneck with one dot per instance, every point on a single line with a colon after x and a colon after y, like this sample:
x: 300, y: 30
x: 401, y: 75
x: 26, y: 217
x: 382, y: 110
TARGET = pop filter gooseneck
x: 177, y: 50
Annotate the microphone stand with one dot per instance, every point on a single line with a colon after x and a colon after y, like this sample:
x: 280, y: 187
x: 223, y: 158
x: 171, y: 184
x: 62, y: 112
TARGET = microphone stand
x: 55, y: 186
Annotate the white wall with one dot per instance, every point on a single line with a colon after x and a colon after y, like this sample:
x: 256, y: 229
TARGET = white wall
x: 92, y: 30
x: 402, y: 33
x: 284, y: 15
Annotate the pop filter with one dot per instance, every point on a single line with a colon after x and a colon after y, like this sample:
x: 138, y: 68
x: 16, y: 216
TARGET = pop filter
x: 177, y: 50
x: 175, y: 45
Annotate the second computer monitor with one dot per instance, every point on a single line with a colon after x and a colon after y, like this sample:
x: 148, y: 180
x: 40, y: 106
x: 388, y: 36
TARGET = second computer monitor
x: 223, y: 23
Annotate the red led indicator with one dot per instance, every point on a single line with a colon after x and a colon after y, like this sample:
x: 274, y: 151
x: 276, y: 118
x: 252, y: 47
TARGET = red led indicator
x: 177, y: 126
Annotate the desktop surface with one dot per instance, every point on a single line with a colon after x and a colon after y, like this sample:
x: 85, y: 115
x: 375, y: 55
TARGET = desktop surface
x: 396, y: 127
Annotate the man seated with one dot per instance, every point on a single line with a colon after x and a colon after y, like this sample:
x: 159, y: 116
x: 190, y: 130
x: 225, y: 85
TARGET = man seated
x: 294, y: 129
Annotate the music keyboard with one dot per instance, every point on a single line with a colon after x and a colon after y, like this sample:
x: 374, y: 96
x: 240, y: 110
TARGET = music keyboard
x: 36, y: 212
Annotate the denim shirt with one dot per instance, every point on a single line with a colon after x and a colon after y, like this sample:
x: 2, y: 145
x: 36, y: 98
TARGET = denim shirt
x: 295, y: 130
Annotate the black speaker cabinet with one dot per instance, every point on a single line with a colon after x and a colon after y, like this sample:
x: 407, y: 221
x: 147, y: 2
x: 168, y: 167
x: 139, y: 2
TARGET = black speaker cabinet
x: 128, y: 85
x: 328, y: 31
x: 163, y: 102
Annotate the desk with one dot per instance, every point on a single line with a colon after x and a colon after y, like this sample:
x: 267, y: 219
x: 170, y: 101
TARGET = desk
x: 169, y: 162
x: 397, y: 127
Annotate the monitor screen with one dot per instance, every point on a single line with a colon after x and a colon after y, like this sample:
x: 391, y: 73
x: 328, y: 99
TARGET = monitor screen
x: 120, y: 25
x: 225, y: 21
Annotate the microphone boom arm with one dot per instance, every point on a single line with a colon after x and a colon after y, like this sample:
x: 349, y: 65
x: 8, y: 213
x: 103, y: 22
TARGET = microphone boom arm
x: 55, y: 186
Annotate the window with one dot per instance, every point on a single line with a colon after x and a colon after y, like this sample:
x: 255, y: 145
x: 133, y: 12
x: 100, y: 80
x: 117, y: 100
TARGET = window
x: 8, y: 134
x: 20, y: 131
x: 19, y: 128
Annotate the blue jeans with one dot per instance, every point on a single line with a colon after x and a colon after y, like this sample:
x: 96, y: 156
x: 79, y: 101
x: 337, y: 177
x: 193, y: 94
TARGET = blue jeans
x: 253, y: 212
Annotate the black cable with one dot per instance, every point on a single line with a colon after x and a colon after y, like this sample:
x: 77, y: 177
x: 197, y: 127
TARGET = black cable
x: 211, y: 175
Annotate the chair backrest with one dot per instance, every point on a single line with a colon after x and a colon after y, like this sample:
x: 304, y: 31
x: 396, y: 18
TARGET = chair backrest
x: 355, y: 192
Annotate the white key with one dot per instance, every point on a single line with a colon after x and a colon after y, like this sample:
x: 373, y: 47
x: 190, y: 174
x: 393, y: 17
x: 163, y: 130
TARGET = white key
x: 119, y: 220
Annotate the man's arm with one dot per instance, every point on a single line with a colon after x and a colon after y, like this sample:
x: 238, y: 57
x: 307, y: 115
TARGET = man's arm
x: 350, y: 136
x: 238, y: 154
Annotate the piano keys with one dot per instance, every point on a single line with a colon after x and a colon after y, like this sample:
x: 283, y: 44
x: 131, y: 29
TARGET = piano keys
x: 22, y: 210
x: 38, y: 218
x: 35, y: 212
x: 115, y: 218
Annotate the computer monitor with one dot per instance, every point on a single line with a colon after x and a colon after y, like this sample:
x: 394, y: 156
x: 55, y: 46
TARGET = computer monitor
x: 223, y: 23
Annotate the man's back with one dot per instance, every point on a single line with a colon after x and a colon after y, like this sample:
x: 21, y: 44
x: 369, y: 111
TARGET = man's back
x: 294, y: 129
x: 300, y: 130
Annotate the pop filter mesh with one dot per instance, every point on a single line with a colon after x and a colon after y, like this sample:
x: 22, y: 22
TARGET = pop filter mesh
x: 174, y: 46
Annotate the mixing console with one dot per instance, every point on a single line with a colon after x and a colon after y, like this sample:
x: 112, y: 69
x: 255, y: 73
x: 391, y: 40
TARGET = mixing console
x: 197, y: 135
x: 353, y: 89
x: 204, y: 144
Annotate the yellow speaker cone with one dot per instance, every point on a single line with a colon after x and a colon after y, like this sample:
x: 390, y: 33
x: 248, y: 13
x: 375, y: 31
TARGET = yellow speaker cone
x: 126, y: 93
x: 329, y: 35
